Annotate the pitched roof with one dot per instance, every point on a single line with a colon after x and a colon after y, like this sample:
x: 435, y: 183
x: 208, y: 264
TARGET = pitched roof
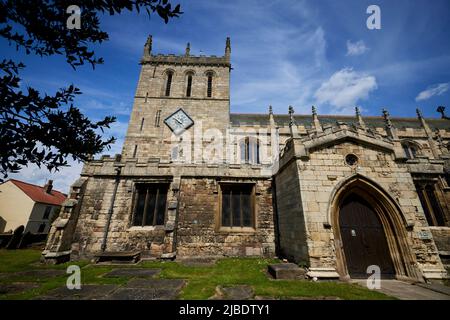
x: 38, y: 194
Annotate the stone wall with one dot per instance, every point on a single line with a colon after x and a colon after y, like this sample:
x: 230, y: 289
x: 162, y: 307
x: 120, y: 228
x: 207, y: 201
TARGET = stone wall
x: 320, y: 177
x: 197, y: 201
x: 290, y: 215
x: 199, y: 232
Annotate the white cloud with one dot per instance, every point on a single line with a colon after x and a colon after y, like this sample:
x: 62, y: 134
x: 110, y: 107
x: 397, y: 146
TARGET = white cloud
x: 113, y: 108
x: 344, y: 88
x: 356, y: 48
x: 434, y: 90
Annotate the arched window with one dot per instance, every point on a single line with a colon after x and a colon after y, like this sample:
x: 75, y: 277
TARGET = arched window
x: 189, y: 85
x: 430, y: 204
x: 169, y: 75
x: 411, y: 149
x: 249, y: 149
x: 210, y: 83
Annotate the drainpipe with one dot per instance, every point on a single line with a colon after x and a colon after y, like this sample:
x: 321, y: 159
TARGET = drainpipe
x: 111, y: 207
x: 175, y: 230
x: 276, y: 219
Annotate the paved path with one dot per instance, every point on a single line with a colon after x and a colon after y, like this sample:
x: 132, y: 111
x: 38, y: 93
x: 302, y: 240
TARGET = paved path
x: 407, y: 291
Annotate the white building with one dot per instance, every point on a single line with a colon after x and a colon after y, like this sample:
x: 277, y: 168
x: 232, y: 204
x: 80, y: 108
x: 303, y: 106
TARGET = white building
x: 29, y: 205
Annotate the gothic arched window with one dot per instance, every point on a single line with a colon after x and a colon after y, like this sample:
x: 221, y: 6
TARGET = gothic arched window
x: 169, y: 76
x: 210, y: 83
x: 411, y: 149
x: 189, y: 84
x: 249, y: 150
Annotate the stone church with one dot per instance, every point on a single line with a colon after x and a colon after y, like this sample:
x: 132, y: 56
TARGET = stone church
x: 334, y: 194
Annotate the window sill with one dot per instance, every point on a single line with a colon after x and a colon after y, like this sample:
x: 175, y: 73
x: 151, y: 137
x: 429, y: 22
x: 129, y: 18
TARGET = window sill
x: 245, y: 230
x: 146, y: 228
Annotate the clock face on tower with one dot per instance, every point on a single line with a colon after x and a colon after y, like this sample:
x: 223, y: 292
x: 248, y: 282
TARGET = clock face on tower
x: 179, y: 121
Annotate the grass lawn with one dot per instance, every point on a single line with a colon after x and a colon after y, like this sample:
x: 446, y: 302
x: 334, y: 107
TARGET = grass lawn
x: 202, y: 281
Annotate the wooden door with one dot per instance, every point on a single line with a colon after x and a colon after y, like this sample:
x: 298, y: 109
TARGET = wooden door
x: 363, y: 239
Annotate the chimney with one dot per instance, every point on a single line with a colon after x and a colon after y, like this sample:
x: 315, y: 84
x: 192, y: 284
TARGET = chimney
x: 48, y: 186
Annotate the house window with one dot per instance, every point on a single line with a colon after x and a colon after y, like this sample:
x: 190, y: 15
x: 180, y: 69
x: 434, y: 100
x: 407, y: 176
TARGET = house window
x: 210, y: 80
x: 47, y: 212
x: 142, y: 124
x: 168, y: 82
x: 41, y: 228
x: 410, y: 150
x: 430, y: 203
x: 237, y: 205
x: 150, y: 205
x: 135, y: 151
x: 189, y: 85
x: 249, y: 148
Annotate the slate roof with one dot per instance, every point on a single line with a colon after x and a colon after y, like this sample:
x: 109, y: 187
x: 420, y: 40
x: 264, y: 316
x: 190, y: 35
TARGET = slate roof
x: 38, y: 194
x: 238, y: 119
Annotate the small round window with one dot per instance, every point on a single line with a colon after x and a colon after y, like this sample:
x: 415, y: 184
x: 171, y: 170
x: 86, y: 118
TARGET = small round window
x: 351, y: 160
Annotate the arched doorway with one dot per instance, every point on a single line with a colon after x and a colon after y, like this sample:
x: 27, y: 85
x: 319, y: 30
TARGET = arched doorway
x: 379, y: 227
x: 363, y: 238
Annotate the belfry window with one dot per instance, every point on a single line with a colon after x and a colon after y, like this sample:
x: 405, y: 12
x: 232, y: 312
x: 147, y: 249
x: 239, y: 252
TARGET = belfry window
x: 237, y: 209
x: 150, y: 204
x: 210, y: 83
x: 189, y: 85
x: 169, y: 83
x: 249, y: 148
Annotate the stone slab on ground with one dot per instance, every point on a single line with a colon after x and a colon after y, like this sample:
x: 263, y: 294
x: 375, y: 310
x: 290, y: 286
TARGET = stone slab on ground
x: 132, y: 272
x: 297, y: 298
x: 169, y: 284
x: 39, y: 274
x: 143, y: 294
x: 148, y: 289
x: 286, y: 271
x: 435, y: 287
x: 241, y: 292
x: 198, y: 262
x: 406, y: 291
x: 17, y: 287
x: 87, y: 292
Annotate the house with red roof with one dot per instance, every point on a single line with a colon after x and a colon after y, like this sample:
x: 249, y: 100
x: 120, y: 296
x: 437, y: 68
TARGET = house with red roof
x: 30, y: 205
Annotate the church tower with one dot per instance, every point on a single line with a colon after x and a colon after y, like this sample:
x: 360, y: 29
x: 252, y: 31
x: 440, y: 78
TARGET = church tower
x: 175, y: 95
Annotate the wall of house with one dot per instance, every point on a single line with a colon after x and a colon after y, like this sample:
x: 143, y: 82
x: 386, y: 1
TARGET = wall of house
x: 15, y: 206
x: 37, y: 217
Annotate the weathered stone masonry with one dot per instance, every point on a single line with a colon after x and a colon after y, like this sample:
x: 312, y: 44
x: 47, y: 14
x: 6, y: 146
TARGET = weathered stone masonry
x: 298, y: 168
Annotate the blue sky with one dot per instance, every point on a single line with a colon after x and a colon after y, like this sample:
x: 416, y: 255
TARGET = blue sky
x: 284, y: 52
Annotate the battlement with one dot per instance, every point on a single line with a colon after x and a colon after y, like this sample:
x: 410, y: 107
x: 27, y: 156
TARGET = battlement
x: 187, y: 58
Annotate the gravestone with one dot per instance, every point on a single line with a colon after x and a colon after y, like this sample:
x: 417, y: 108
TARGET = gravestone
x: 286, y: 271
x: 15, y: 239
x: 133, y: 272
x: 25, y: 240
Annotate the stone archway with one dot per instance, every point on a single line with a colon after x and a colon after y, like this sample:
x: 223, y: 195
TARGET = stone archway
x: 391, y: 220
